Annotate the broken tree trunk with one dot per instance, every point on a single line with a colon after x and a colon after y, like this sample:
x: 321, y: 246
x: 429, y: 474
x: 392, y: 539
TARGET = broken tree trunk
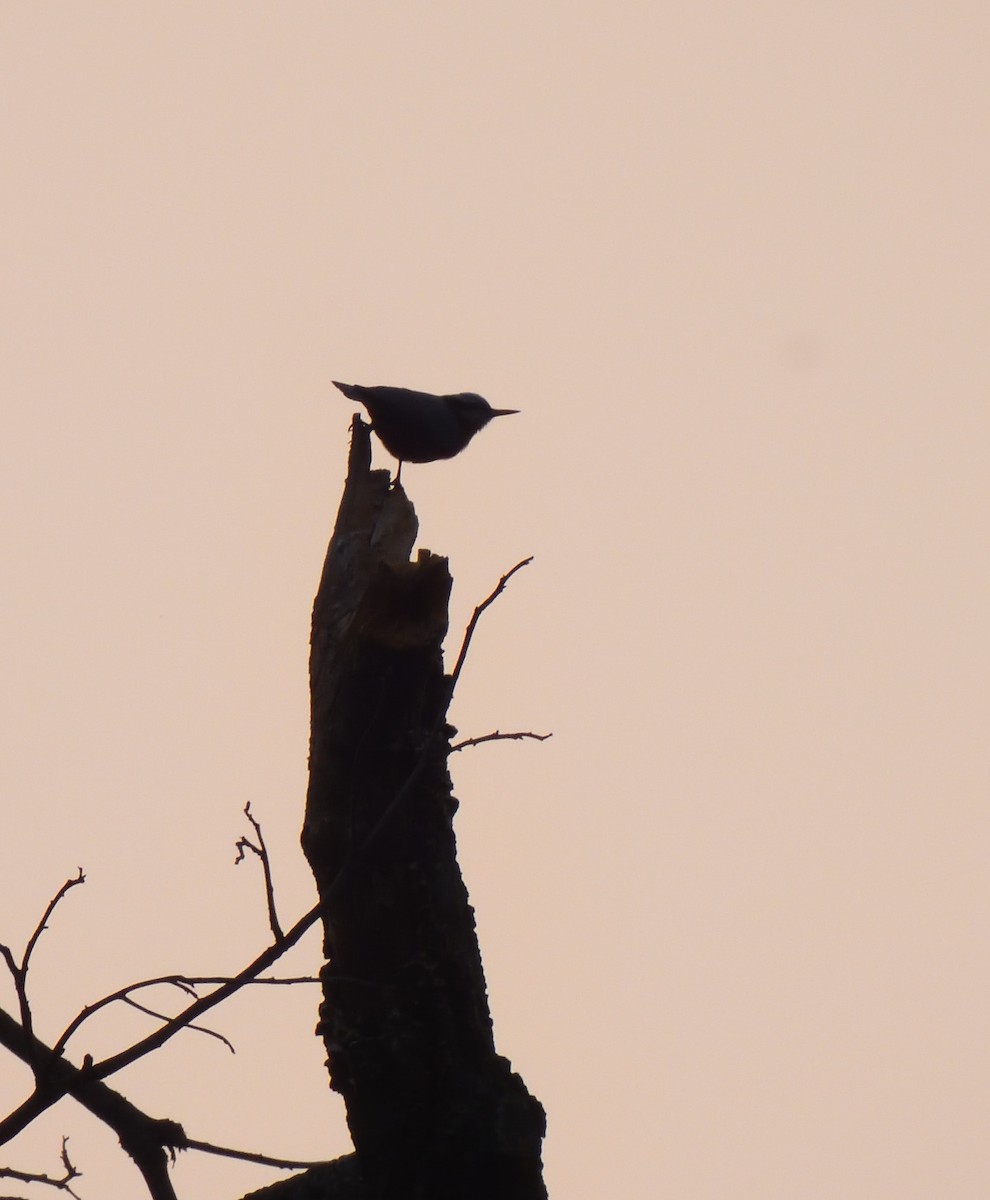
x: 433, y: 1110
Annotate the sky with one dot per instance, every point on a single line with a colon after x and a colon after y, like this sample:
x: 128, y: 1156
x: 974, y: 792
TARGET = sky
x: 731, y: 263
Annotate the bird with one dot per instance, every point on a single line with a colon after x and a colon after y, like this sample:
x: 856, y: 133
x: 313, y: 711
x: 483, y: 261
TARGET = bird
x: 420, y: 427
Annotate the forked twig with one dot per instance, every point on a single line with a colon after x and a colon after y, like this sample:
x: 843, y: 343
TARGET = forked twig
x: 185, y: 983
x: 61, y: 1184
x: 19, y: 970
x: 261, y: 850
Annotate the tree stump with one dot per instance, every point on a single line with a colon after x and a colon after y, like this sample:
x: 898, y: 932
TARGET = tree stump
x: 433, y: 1110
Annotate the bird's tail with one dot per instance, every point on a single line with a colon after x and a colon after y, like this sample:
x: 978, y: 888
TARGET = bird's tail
x: 353, y: 391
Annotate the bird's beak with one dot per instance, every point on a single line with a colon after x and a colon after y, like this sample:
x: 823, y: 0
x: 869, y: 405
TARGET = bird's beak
x: 503, y: 412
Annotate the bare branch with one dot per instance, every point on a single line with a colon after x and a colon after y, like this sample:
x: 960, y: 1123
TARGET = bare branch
x: 497, y: 736
x: 469, y: 632
x: 150, y: 1012
x: 144, y: 1138
x: 43, y: 923
x: 11, y: 1034
x: 62, y: 1184
x: 117, y: 1062
x: 19, y: 970
x: 261, y: 850
x: 12, y: 965
x: 186, y: 983
x: 266, y: 1160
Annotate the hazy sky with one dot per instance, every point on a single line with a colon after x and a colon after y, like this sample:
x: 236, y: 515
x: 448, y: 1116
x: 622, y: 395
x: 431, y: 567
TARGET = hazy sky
x: 731, y: 262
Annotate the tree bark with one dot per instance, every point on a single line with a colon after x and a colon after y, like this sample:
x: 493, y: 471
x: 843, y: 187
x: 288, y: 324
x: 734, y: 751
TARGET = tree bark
x: 433, y: 1110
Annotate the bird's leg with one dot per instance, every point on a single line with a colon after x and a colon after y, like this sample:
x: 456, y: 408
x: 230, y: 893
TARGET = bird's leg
x: 398, y: 475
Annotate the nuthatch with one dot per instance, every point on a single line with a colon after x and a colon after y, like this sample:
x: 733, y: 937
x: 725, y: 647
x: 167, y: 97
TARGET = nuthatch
x: 418, y: 427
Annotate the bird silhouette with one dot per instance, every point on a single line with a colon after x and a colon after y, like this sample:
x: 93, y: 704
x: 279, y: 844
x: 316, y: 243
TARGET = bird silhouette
x: 419, y: 427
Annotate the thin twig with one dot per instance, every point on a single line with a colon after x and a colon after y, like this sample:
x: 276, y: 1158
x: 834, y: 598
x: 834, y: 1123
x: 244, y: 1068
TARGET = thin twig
x: 151, y: 1012
x: 262, y: 852
x: 153, y: 1041
x: 12, y: 965
x: 43, y: 923
x: 498, y: 736
x: 61, y: 1185
x: 266, y: 1160
x: 186, y: 983
x: 20, y: 970
x: 469, y: 632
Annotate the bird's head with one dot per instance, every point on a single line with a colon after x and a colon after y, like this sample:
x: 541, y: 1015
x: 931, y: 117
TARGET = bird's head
x: 473, y: 412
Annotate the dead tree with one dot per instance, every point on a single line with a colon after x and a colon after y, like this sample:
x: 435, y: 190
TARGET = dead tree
x: 433, y: 1110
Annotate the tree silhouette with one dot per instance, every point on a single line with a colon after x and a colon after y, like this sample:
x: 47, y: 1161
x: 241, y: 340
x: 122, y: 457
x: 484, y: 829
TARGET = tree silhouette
x: 433, y: 1110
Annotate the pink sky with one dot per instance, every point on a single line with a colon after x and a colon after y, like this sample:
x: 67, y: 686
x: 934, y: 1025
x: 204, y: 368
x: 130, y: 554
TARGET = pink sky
x: 731, y: 262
